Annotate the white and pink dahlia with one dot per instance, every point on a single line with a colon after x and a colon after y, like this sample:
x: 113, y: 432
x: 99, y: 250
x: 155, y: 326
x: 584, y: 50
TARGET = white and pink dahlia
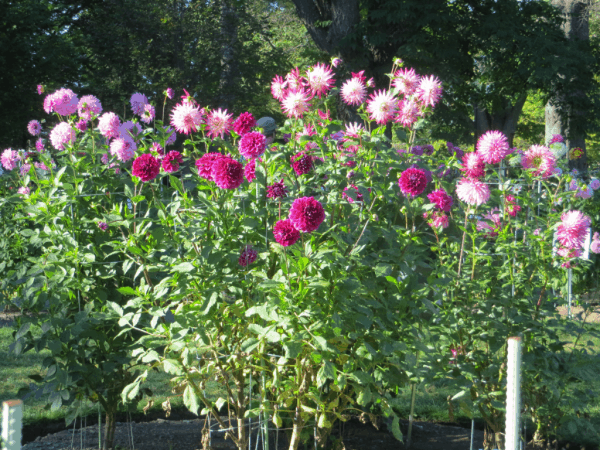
x: 138, y: 102
x: 320, y: 79
x: 278, y: 88
x: 123, y: 148
x: 573, y: 229
x: 88, y: 106
x: 34, y: 127
x: 493, y: 147
x: 109, y: 124
x: 295, y: 104
x: 354, y: 91
x: 148, y: 114
x: 406, y: 81
x: 9, y: 159
x: 382, y: 106
x: 354, y: 130
x: 429, y: 90
x: 408, y: 113
x: 540, y: 159
x: 186, y: 117
x: 472, y: 191
x: 473, y: 165
x: 218, y: 123
x: 61, y: 135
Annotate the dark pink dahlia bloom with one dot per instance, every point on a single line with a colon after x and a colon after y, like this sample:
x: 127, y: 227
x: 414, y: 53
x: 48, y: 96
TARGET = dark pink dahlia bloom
x: 172, y: 161
x: 250, y: 170
x: 244, y: 123
x: 306, y: 214
x: 277, y: 190
x: 205, y: 163
x: 252, y: 144
x: 302, y: 163
x: 247, y: 256
x: 442, y: 200
x: 412, y: 181
x: 146, y: 167
x: 227, y: 173
x: 285, y: 233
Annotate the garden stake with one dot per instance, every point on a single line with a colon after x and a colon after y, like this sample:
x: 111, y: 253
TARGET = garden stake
x: 265, y: 430
x: 250, y: 417
x: 513, y: 394
x: 12, y: 417
x: 99, y: 427
x: 410, y: 417
x: 472, y: 433
x: 569, y: 292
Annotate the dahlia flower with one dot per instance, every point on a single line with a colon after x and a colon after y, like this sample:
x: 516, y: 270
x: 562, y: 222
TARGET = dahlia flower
x: 186, y: 117
x: 138, y: 102
x: 34, y: 127
x: 540, y: 159
x: 472, y: 191
x: 511, y: 206
x: 594, y: 183
x: 436, y: 219
x: 335, y: 62
x: 585, y: 192
x: 573, y: 229
x: 295, y: 81
x: 442, y: 200
x: 295, y: 103
x: 103, y: 226
x: 81, y: 125
x: 145, y: 167
x: 354, y: 130
x: 252, y: 144
x: 556, y: 138
x: 277, y: 190
x: 493, y: 147
x: 9, y: 159
x: 40, y: 89
x: 406, y: 81
x: 412, y: 181
x: 595, y: 246
x: 205, y: 163
x: 302, y: 163
x: 492, y: 227
x: 170, y: 93
x: 218, y: 123
x: 285, y: 234
x: 148, y: 113
x: 109, y: 124
x: 247, y: 256
x: 157, y: 148
x: 306, y: 214
x: 25, y: 169
x: 382, y: 106
x: 88, y: 106
x: 429, y: 90
x: 172, y: 161
x: 227, y: 173
x: 244, y: 123
x: 61, y: 135
x: 250, y: 170
x: 64, y: 102
x: 123, y: 148
x: 408, y: 112
x: 39, y: 145
x: 473, y: 165
x: 278, y: 88
x: 354, y: 91
x: 24, y: 190
x: 320, y: 79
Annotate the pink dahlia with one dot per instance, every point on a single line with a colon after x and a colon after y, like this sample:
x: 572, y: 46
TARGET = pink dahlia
x: 573, y: 229
x: 34, y: 127
x: 205, y: 164
x: 320, y: 79
x: 492, y: 226
x: 436, y: 219
x: 40, y: 89
x: 306, y: 214
x: 473, y: 165
x: 123, y: 148
x: 406, y: 81
x: 556, y: 138
x: 157, y: 148
x: 511, y: 206
x: 302, y: 163
x: 442, y: 200
x: 227, y: 173
x: 595, y: 246
x: 382, y: 106
x: 354, y: 91
x: 145, y: 167
x: 354, y: 130
x: 278, y: 88
x: 244, y: 123
x: 252, y: 144
x: 472, y: 191
x: 285, y: 233
x: 81, y: 125
x: 354, y: 192
x: 218, y: 123
x: 408, y: 112
x: 277, y: 190
x: 493, y: 147
x: 295, y: 103
x: 39, y: 145
x: 250, y: 170
x: 89, y: 106
x: 295, y: 81
x: 109, y: 124
x: 186, y: 117
x: 138, y: 102
x: 130, y: 129
x: 148, y: 113
x: 24, y: 190
x: 170, y: 93
x: 412, y: 181
x: 540, y: 159
x: 247, y: 256
x: 64, y: 102
x: 103, y: 226
x: 429, y: 90
x: 61, y: 135
x: 49, y: 103
x: 172, y: 161
x: 9, y: 159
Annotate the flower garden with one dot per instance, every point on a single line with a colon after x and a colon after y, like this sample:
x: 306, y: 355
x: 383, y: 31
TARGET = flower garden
x: 315, y: 272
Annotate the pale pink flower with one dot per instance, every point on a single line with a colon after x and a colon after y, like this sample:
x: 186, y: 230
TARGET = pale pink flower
x: 109, y: 124
x: 49, y: 103
x: 429, y: 90
x: 64, y: 102
x: 540, y: 159
x: 472, y: 191
x: 295, y: 81
x: 408, y: 113
x: 278, y: 88
x: 595, y: 246
x: 354, y: 91
x: 295, y: 104
x: 24, y: 190
x: 473, y: 165
x: 148, y: 113
x: 186, y: 117
x: 573, y: 229
x: 88, y: 106
x: 39, y: 145
x: 9, y: 159
x: 406, y: 81
x: 61, y: 135
x: 138, y: 102
x: 320, y: 79
x: 34, y: 127
x: 123, y: 148
x: 335, y: 62
x: 382, y: 106
x: 218, y: 123
x: 493, y: 147
x: 170, y: 93
x: 40, y: 89
x: 354, y: 130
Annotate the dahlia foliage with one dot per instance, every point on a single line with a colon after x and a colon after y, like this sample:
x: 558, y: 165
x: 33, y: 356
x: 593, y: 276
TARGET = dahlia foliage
x: 319, y: 262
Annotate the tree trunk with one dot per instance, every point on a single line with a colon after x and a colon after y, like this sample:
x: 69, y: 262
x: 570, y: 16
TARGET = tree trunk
x: 504, y: 120
x: 297, y: 429
x: 229, y: 40
x: 565, y: 121
x: 109, y: 430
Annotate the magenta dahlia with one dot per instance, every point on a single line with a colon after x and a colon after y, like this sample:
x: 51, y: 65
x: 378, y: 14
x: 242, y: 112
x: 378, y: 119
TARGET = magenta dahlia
x: 540, y: 160
x: 103, y: 226
x: 354, y: 191
x: 172, y: 161
x: 64, y: 102
x: 573, y: 229
x: 277, y: 190
x: 34, y: 127
x: 493, y: 147
x: 81, y: 125
x: 244, y: 123
x: 473, y: 165
x: 205, y: 164
x: 247, y: 256
x: 252, y: 144
x: 442, y: 200
x: 306, y: 214
x: 302, y: 163
x: 39, y: 145
x: 146, y: 167
x: 285, y: 233
x: 472, y: 191
x: 186, y: 117
x: 412, y: 182
x: 109, y: 124
x: 227, y: 173
x: 89, y: 106
x: 61, y: 135
x: 250, y: 170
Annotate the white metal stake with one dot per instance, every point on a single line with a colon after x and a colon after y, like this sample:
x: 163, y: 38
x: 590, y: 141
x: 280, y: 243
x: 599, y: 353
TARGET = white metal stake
x: 12, y: 422
x: 513, y: 394
x: 570, y: 292
x: 472, y: 432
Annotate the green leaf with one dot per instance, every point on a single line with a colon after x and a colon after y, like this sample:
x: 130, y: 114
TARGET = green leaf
x: 176, y: 183
x: 292, y: 349
x: 191, y: 400
x: 172, y: 367
x: 183, y: 267
x: 126, y: 290
x: 396, y: 428
x: 327, y: 371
